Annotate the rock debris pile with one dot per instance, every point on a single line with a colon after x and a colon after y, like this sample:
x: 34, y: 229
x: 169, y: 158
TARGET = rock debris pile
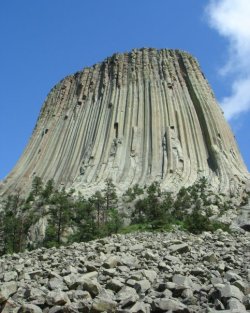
x: 141, y: 272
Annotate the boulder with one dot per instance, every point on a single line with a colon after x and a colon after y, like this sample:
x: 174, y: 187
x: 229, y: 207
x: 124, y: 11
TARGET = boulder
x: 179, y: 248
x: 7, y: 289
x: 30, y: 308
x: 8, y: 276
x: 170, y: 305
x: 57, y: 297
x: 101, y: 304
x: 229, y: 291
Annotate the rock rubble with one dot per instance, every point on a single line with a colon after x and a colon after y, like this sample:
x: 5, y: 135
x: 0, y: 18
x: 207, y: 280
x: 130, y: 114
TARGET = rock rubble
x: 141, y: 272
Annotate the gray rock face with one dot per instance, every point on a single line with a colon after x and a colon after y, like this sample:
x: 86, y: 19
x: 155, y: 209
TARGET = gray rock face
x: 165, y: 305
x: 6, y: 290
x: 57, y: 297
x: 30, y: 308
x: 181, y: 248
x: 136, y: 117
x: 92, y: 277
x: 232, y: 292
x: 102, y: 304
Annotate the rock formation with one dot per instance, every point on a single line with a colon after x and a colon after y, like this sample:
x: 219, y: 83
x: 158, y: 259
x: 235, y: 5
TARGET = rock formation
x: 136, y: 117
x: 143, y: 272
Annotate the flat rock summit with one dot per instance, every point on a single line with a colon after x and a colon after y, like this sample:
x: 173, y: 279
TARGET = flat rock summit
x: 138, y: 117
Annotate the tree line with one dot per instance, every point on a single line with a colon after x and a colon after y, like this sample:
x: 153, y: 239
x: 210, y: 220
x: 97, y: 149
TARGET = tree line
x: 74, y: 218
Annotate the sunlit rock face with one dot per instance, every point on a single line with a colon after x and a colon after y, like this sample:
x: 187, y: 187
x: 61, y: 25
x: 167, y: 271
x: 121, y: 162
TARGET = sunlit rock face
x: 138, y: 117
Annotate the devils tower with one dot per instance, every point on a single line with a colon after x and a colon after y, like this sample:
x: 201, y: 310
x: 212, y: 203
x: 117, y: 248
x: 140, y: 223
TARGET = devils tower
x: 138, y: 117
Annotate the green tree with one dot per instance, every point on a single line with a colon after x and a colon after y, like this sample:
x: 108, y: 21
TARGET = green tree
x: 85, y: 220
x: 167, y: 205
x: 182, y: 202
x: 114, y: 221
x: 10, y: 232
x: 139, y: 214
x: 110, y: 197
x: 15, y: 224
x: 37, y: 185
x: 197, y: 221
x: 60, y: 216
x: 48, y: 190
x: 153, y: 207
x: 133, y: 192
x: 98, y: 201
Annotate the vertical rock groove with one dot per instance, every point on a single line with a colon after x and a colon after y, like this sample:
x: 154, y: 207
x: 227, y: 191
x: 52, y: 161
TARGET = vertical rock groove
x: 136, y: 117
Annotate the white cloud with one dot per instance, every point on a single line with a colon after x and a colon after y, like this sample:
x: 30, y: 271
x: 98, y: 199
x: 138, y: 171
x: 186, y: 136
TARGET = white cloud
x: 231, y: 18
x: 239, y: 101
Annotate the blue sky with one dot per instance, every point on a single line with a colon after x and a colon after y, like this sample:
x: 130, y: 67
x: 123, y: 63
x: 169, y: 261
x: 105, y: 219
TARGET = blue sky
x: 42, y: 41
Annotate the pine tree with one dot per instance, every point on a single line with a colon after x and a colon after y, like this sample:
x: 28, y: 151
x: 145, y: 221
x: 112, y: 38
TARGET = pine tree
x: 114, y: 221
x: 110, y: 197
x: 133, y: 192
x: 37, y: 185
x: 153, y: 208
x: 11, y: 225
x: 60, y: 216
x: 85, y: 219
x: 98, y: 201
x: 48, y: 190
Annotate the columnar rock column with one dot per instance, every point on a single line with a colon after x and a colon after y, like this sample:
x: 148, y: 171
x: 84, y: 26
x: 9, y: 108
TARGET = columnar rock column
x: 136, y: 117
